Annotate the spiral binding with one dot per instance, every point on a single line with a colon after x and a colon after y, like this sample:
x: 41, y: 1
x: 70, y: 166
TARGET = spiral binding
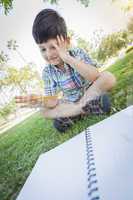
x: 91, y: 170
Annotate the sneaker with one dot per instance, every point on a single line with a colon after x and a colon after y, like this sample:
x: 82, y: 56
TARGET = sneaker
x: 99, y: 105
x: 62, y: 124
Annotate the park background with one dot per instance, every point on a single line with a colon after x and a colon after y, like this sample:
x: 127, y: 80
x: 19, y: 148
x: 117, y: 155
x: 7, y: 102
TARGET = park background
x: 103, y: 28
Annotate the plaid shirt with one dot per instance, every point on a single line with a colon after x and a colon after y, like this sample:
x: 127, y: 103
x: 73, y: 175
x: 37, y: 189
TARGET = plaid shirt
x: 69, y: 81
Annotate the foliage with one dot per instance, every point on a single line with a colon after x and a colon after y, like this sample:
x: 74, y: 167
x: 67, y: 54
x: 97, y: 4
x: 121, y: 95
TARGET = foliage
x: 3, y: 58
x: 126, y: 6
x: 96, y: 38
x: 122, y: 94
x: 13, y: 46
x: 82, y: 43
x: 7, y: 5
x: 83, y: 2
x: 21, y: 78
x: 111, y: 44
x: 129, y: 49
x: 7, y: 109
x: 130, y: 25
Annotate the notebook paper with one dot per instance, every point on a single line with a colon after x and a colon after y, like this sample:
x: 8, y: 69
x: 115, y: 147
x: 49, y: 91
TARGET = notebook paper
x: 113, y: 150
x: 96, y: 164
x: 59, y: 173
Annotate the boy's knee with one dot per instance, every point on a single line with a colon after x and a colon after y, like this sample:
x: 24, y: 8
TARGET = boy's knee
x: 109, y: 78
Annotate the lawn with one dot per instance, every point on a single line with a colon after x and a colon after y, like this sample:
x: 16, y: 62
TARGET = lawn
x: 21, y: 146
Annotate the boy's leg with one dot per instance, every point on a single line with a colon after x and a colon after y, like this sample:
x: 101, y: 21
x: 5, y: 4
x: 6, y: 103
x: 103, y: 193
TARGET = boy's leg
x: 62, y: 110
x: 97, y: 106
x: 97, y: 89
x: 92, y: 107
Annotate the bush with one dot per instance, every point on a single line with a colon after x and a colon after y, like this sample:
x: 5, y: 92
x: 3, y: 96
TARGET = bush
x: 7, y: 109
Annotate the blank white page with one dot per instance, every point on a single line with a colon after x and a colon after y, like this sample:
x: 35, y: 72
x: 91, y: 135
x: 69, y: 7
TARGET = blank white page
x: 113, y: 151
x: 59, y: 174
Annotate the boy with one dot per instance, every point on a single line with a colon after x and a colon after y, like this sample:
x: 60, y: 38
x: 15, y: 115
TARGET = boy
x: 69, y: 70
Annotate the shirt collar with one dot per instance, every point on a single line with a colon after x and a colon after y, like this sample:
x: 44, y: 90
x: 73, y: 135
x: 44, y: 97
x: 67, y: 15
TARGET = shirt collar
x: 58, y: 69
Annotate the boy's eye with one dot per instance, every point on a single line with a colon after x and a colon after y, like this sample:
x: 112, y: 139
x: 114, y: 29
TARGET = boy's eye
x: 52, y: 47
x: 43, y: 50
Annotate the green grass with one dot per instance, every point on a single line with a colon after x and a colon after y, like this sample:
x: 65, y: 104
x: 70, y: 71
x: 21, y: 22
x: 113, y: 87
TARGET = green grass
x: 21, y: 146
x: 122, y: 94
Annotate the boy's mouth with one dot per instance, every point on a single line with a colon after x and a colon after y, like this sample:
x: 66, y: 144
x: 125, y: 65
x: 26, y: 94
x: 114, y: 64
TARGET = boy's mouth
x: 52, y: 59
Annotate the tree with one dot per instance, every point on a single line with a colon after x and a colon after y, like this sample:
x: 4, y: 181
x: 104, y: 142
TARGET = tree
x: 7, y: 109
x: 12, y: 45
x: 96, y: 38
x: 82, y: 43
x: 7, y: 4
x: 126, y: 6
x: 3, y: 58
x: 130, y: 25
x: 83, y: 2
x: 111, y: 44
x: 22, y: 78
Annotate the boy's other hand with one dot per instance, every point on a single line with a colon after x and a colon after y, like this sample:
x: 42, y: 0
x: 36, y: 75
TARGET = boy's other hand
x: 36, y: 101
x: 27, y: 101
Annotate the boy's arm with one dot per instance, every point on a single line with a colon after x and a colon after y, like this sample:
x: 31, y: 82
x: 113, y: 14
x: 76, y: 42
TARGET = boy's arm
x: 88, y: 71
x: 91, y: 73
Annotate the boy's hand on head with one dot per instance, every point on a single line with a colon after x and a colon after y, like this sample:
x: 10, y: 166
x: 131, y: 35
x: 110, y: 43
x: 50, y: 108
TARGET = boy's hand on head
x: 61, y: 47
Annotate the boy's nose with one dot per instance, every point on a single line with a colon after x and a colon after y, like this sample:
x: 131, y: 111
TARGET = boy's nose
x: 49, y: 54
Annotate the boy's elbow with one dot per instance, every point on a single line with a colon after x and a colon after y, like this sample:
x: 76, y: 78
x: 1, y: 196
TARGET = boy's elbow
x: 109, y: 79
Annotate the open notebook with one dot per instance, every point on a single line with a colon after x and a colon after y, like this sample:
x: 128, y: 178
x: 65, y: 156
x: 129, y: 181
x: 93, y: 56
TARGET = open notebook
x: 95, y: 164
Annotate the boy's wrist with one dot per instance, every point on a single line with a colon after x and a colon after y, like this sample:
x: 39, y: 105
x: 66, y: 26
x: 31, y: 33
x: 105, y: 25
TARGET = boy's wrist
x: 66, y: 57
x: 72, y: 61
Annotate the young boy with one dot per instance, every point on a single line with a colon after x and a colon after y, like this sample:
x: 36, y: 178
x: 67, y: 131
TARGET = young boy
x: 69, y: 70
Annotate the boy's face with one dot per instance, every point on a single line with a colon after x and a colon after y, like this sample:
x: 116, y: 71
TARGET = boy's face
x: 49, y: 52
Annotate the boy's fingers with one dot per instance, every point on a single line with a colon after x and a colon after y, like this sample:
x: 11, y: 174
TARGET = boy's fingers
x: 21, y: 99
x: 27, y: 98
x: 62, y: 39
x: 25, y: 101
x: 59, y: 40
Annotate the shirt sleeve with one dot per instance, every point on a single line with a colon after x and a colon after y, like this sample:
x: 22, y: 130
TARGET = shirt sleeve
x: 83, y: 55
x: 50, y: 87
